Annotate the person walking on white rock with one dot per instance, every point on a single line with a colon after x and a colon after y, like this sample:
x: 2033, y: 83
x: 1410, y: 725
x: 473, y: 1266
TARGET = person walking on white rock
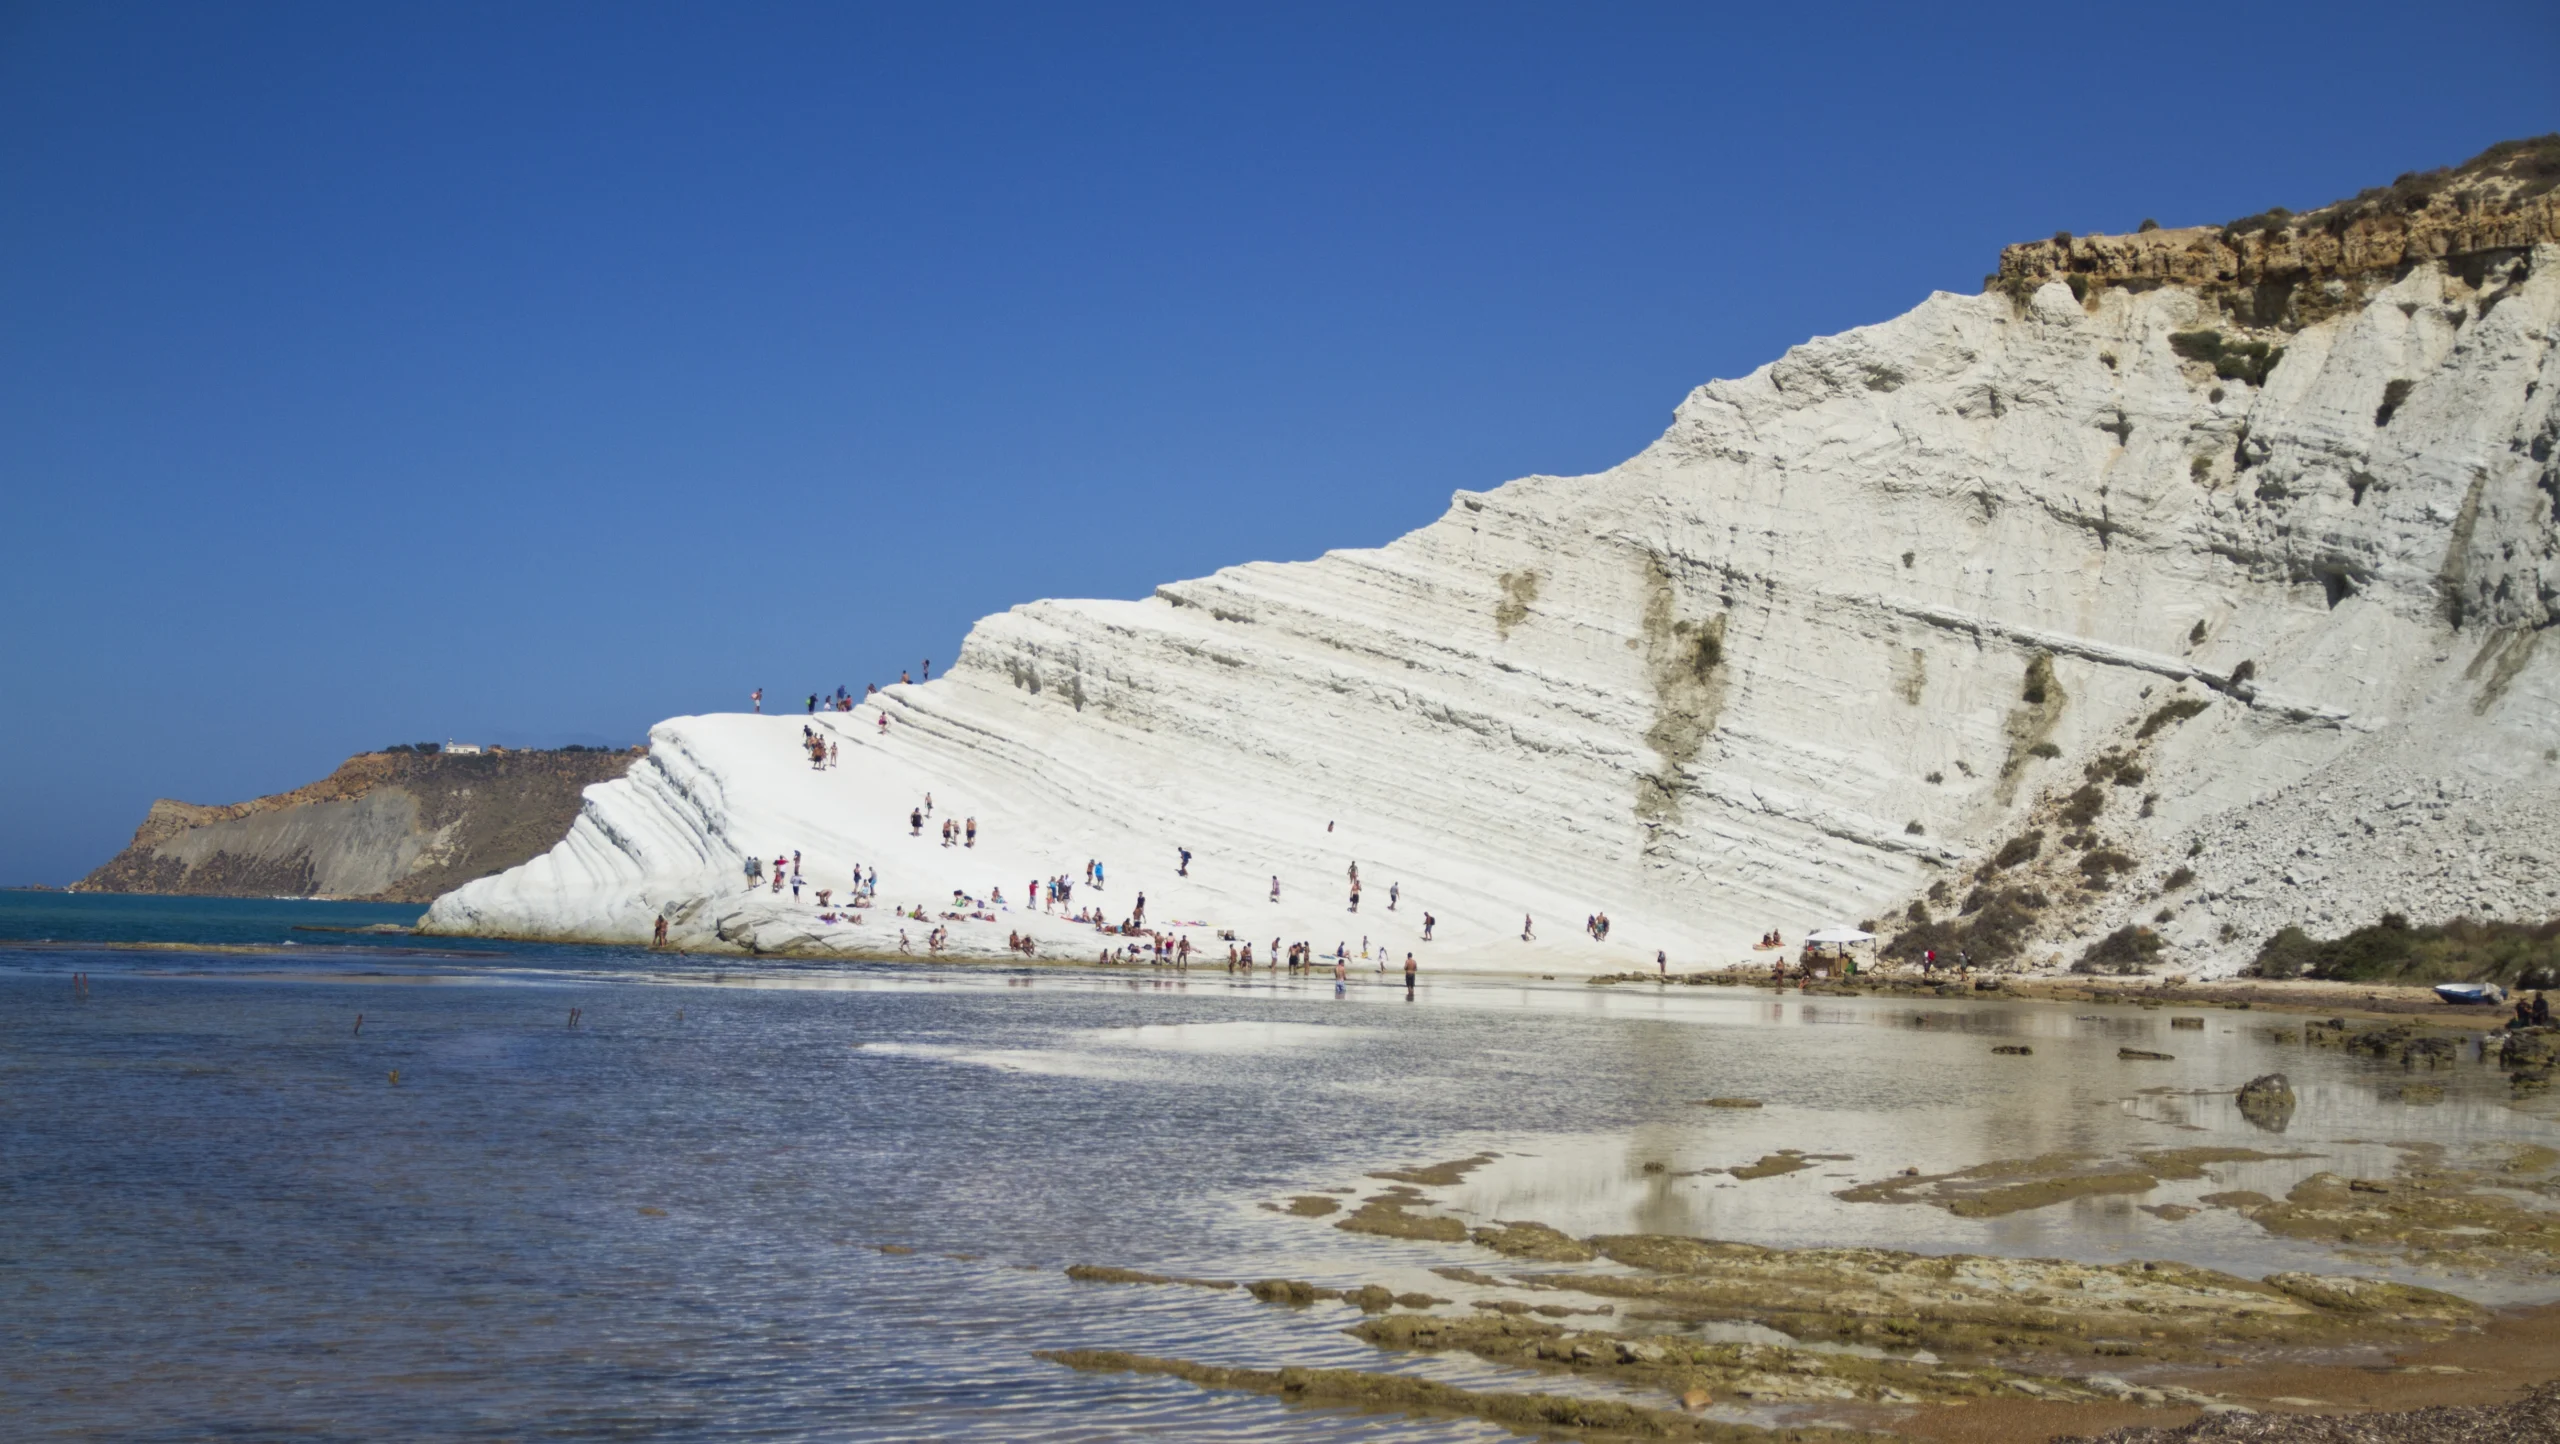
x: 1185, y: 869
x: 1428, y: 923
x: 973, y: 832
x: 1275, y: 887
x: 884, y: 724
x: 1097, y: 877
x: 1662, y: 962
x: 915, y: 822
x: 755, y: 873
x: 1528, y: 929
x: 1395, y: 890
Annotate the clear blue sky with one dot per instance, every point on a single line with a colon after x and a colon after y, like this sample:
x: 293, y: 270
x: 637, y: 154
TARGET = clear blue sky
x: 529, y: 373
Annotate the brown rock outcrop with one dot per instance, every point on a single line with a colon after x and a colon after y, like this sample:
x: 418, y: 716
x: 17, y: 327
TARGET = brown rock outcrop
x: 385, y: 826
x: 2285, y: 270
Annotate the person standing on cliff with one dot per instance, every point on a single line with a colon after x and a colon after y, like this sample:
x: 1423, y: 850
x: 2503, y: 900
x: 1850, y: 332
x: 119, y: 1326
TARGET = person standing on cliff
x: 903, y: 679
x: 755, y: 873
x: 928, y: 669
x: 755, y: 700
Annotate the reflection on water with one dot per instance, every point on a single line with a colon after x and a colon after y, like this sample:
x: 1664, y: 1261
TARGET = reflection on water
x: 217, y: 1213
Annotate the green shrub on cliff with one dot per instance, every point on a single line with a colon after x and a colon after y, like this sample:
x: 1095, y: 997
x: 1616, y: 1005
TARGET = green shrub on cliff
x: 2128, y: 949
x: 2392, y: 951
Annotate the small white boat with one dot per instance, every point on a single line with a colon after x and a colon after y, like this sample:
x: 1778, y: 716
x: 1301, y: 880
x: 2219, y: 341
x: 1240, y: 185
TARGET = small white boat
x: 2470, y: 992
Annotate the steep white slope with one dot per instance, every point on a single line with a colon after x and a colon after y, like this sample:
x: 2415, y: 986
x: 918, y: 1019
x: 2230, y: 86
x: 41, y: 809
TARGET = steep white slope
x: 1854, y: 622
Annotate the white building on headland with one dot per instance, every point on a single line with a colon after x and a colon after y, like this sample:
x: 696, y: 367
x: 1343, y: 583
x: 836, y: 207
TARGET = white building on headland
x: 463, y: 749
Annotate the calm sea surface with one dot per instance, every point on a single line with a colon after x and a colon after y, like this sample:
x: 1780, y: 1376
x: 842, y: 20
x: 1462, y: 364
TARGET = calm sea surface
x: 781, y: 1201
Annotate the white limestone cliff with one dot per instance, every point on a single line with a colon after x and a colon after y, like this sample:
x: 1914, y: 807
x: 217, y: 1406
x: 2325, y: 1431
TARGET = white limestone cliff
x: 1851, y: 625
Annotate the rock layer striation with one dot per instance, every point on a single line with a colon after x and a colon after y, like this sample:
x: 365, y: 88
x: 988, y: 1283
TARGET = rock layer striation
x: 1828, y: 649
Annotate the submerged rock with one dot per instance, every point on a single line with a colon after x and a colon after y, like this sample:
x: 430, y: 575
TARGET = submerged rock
x: 2267, y: 1101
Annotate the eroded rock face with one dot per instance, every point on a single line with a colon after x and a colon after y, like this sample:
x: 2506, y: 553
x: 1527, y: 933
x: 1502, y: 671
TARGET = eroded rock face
x: 2284, y: 270
x: 392, y: 826
x: 1851, y: 625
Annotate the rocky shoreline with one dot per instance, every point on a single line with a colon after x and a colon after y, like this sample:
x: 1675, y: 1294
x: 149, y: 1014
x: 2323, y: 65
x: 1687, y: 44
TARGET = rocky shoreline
x: 1666, y: 1337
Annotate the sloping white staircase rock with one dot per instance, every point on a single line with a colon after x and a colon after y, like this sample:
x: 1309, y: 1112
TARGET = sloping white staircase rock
x: 1711, y: 691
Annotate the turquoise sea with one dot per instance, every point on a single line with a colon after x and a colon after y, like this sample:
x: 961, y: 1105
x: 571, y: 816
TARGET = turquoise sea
x: 614, y: 1194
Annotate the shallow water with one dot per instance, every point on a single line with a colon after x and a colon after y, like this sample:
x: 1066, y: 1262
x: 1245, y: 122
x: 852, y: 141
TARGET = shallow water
x: 218, y: 1216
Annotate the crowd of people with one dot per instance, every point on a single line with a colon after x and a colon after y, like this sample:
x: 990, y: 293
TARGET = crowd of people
x: 1052, y: 896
